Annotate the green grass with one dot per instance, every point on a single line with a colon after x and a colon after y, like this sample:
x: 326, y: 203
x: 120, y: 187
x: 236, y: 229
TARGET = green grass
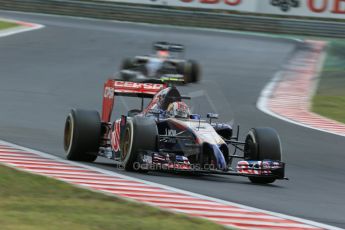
x: 31, y: 202
x: 329, y: 100
x: 7, y: 25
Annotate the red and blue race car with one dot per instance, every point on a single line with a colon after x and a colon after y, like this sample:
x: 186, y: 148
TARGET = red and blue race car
x: 165, y: 135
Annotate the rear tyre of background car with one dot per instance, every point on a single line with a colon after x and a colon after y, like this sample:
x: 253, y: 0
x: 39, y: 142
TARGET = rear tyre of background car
x: 262, y: 144
x: 140, y: 135
x: 82, y: 135
x: 127, y: 63
x: 190, y: 70
x: 195, y: 71
x: 128, y: 75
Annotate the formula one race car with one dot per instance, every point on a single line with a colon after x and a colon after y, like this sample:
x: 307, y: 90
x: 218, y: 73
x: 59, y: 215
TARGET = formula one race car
x: 166, y: 60
x: 165, y: 136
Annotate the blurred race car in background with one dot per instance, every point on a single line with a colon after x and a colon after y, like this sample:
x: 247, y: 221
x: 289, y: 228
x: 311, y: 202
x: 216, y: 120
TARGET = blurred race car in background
x: 166, y: 136
x: 166, y: 59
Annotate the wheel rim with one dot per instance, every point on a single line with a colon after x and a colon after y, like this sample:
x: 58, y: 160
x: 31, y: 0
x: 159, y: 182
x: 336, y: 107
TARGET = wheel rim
x: 249, y: 148
x: 126, y: 143
x: 68, y: 134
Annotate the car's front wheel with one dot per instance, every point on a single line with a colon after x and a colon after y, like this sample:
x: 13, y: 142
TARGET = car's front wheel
x: 262, y: 144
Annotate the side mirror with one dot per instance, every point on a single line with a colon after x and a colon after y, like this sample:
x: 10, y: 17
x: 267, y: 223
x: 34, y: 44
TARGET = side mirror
x: 212, y: 115
x: 195, y: 116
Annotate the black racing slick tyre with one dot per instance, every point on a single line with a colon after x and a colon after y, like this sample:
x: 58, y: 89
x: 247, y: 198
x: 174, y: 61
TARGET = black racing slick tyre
x: 190, y: 70
x: 262, y: 144
x: 195, y: 71
x: 82, y: 135
x: 127, y: 63
x: 140, y: 135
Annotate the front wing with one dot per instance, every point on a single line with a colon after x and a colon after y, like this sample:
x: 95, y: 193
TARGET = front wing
x: 265, y: 168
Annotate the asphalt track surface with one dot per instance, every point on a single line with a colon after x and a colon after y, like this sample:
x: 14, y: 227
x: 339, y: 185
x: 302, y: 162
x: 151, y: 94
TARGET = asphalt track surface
x: 46, y: 72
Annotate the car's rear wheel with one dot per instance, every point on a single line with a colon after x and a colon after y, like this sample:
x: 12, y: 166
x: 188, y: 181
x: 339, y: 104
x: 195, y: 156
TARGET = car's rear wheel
x: 140, y: 135
x: 262, y: 144
x: 195, y: 71
x: 190, y: 70
x: 127, y: 63
x: 82, y: 135
x: 128, y: 75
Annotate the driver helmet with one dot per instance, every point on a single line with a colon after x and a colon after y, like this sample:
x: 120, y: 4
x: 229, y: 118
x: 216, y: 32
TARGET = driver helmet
x: 162, y: 54
x: 178, y: 109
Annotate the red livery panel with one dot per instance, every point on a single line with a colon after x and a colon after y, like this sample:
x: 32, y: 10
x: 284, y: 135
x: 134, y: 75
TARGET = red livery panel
x: 112, y: 87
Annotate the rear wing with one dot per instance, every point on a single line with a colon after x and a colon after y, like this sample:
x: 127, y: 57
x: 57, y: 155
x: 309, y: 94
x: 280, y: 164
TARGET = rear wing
x: 136, y: 89
x: 115, y: 87
x: 177, y: 48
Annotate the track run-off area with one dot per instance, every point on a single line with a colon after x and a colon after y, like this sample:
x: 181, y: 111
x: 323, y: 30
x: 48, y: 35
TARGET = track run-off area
x: 45, y: 73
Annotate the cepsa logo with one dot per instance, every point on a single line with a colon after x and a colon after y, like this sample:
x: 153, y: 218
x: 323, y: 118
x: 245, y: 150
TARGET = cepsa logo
x: 136, y: 85
x: 227, y: 2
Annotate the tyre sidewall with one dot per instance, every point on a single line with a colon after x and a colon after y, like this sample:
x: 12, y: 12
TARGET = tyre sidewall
x: 130, y: 155
x: 195, y: 71
x: 143, y: 137
x: 85, y: 135
x: 267, y: 145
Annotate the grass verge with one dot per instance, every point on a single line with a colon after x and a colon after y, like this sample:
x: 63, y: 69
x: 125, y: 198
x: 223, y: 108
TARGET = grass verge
x: 33, y: 202
x: 329, y: 99
x: 7, y: 25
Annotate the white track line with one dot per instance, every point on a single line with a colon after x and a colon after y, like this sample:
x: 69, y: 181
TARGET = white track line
x: 23, y: 27
x: 196, y: 207
x: 220, y: 215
